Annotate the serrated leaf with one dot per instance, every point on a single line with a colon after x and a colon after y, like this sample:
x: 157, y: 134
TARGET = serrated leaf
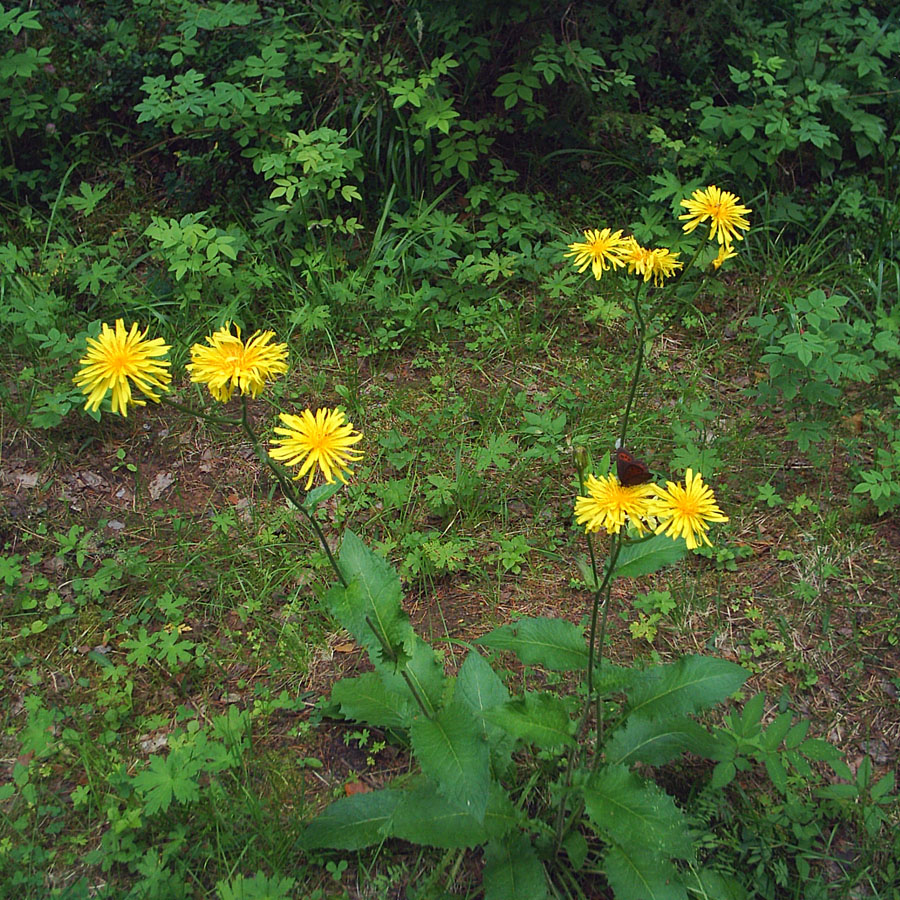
x: 648, y: 556
x: 636, y: 875
x: 371, y: 598
x: 479, y: 688
x: 423, y: 816
x: 366, y: 699
x: 656, y: 741
x: 512, y: 870
x: 636, y: 814
x: 541, y: 719
x: 454, y: 753
x: 553, y: 643
x: 686, y: 686
x: 354, y: 822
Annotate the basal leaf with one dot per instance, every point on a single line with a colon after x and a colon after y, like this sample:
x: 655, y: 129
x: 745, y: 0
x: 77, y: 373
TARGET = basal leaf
x: 353, y: 822
x: 636, y: 814
x: 423, y: 816
x: 648, y: 556
x: 553, y: 643
x: 366, y: 699
x: 636, y: 875
x: 686, y: 686
x: 512, y: 870
x: 541, y: 719
x: 454, y: 753
x: 424, y: 672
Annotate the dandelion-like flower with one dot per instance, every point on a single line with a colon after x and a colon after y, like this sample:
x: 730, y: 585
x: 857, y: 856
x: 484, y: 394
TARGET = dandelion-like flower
x: 610, y: 504
x: 601, y: 250
x: 657, y: 264
x: 723, y: 209
x: 323, y: 440
x: 686, y: 510
x: 115, y: 359
x: 725, y: 252
x: 229, y: 363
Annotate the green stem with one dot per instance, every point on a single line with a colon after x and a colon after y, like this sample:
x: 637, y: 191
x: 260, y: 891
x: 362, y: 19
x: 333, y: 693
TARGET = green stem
x: 213, y: 420
x: 639, y: 361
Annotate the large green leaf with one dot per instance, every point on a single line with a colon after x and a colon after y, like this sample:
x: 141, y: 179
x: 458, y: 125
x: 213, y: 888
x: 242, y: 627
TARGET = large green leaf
x: 366, y: 699
x: 453, y: 752
x: 655, y: 741
x: 512, y: 870
x: 636, y: 814
x: 541, y: 719
x: 686, y: 686
x: 353, y: 822
x: 634, y: 874
x: 423, y: 816
x: 648, y: 556
x: 551, y: 643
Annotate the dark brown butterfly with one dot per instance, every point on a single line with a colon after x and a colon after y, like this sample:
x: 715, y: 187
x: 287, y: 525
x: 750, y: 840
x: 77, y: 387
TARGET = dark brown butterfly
x: 630, y: 471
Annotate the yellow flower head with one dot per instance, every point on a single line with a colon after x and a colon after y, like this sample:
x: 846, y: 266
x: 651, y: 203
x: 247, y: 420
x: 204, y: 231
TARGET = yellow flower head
x: 726, y: 251
x: 657, y: 264
x: 686, y: 510
x: 600, y: 250
x: 724, y: 211
x: 610, y: 504
x: 115, y: 359
x: 322, y: 440
x: 228, y: 362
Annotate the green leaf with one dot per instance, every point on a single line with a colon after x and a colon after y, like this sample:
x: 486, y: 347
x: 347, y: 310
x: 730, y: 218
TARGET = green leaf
x: 366, y: 699
x: 637, y: 875
x: 372, y: 595
x: 425, y: 817
x: 553, y: 643
x: 541, y: 719
x: 354, y: 822
x: 512, y: 870
x: 686, y: 686
x: 479, y: 687
x: 320, y: 494
x: 636, y: 814
x: 648, y: 556
x: 656, y: 741
x: 454, y: 753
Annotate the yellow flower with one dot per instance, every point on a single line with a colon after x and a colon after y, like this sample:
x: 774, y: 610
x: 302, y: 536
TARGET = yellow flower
x: 228, y: 362
x: 726, y: 251
x: 117, y: 356
x: 722, y: 208
x: 610, y: 504
x: 600, y: 250
x: 323, y: 440
x: 686, y: 511
x: 657, y: 264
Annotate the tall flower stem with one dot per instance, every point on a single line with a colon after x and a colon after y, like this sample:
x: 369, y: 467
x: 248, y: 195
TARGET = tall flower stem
x: 638, y: 363
x: 288, y: 488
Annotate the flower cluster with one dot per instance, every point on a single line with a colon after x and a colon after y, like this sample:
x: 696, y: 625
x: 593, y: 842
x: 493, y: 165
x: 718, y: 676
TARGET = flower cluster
x: 678, y: 510
x: 607, y: 250
x: 115, y: 360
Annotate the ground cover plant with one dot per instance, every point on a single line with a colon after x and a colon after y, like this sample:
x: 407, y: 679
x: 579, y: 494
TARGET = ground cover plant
x: 229, y: 231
